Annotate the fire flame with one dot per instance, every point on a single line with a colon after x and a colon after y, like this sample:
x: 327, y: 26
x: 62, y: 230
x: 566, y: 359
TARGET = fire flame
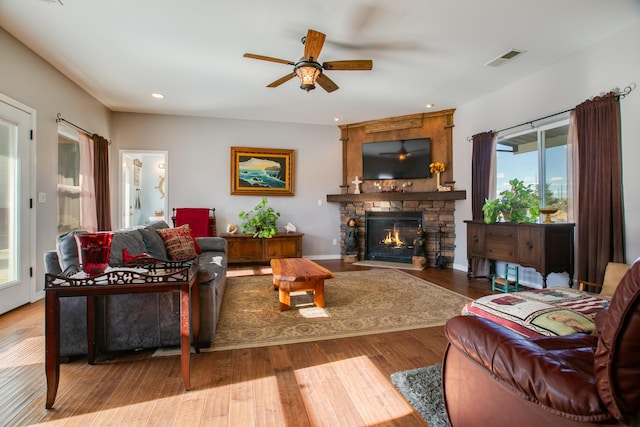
x: 393, y: 238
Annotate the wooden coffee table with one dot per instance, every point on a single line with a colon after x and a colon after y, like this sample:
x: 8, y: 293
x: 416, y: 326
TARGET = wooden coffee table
x: 298, y: 274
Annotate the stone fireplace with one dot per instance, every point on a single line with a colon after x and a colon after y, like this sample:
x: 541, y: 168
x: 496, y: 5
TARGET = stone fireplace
x: 419, y: 197
x: 389, y: 235
x: 436, y: 209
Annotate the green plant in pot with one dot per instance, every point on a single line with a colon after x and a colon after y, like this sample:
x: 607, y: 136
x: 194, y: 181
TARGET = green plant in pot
x: 517, y: 204
x: 260, y: 221
x: 492, y: 210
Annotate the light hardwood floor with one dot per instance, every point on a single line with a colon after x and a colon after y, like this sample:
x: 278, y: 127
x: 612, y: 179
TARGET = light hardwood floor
x: 343, y: 382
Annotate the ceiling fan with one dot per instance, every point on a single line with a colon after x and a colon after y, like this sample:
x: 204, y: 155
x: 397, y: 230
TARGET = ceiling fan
x: 402, y: 153
x: 309, y: 70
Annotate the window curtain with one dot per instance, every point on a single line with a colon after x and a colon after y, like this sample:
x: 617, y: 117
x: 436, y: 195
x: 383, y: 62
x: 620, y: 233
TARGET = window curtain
x: 482, y: 185
x: 101, y: 176
x: 600, y: 210
x: 88, y: 217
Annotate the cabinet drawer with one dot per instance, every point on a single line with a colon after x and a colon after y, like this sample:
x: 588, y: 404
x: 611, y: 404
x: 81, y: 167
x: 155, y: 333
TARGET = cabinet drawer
x: 244, y: 250
x: 475, y: 240
x: 531, y: 245
x: 282, y: 248
x: 501, y: 243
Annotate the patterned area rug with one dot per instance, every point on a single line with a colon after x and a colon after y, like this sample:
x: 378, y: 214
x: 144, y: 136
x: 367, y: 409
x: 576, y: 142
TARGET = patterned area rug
x: 356, y: 303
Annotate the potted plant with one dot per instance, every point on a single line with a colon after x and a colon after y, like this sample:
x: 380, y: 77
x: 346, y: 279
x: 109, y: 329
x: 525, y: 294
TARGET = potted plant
x: 517, y: 204
x: 492, y: 210
x: 260, y: 221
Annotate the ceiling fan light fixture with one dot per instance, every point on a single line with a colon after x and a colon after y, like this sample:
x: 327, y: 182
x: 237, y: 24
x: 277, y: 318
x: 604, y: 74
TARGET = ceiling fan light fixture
x: 307, y: 72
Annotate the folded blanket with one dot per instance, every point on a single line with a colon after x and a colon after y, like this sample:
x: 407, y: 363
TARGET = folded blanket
x: 197, y: 218
x: 542, y: 312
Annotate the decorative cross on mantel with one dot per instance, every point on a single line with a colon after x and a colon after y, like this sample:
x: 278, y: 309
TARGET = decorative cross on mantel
x: 357, y: 182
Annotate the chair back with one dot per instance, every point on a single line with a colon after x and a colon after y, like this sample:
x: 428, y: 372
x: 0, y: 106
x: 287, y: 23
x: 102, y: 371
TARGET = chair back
x: 617, y: 357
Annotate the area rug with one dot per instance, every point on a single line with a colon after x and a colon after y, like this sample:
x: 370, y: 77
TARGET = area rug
x: 422, y: 388
x: 356, y: 303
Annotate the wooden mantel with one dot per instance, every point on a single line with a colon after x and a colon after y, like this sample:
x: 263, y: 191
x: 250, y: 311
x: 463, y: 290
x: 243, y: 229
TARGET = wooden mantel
x: 397, y: 196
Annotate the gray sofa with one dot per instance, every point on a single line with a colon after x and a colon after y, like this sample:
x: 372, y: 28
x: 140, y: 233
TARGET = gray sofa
x: 137, y: 321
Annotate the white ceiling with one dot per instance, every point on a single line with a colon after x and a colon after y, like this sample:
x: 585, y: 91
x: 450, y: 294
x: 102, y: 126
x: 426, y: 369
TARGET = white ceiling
x: 423, y: 51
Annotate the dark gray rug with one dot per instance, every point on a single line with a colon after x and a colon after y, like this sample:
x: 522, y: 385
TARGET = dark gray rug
x: 422, y: 387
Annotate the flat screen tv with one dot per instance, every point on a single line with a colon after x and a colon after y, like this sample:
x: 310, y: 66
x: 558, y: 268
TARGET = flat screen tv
x: 401, y: 159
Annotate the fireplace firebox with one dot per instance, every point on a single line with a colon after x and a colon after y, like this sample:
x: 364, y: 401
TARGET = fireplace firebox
x: 389, y: 236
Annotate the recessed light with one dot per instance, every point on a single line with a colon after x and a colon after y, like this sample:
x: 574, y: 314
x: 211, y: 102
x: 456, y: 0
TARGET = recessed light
x: 157, y: 95
x: 336, y: 119
x: 430, y: 105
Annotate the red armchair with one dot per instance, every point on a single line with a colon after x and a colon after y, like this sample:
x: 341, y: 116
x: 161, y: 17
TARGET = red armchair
x: 494, y: 376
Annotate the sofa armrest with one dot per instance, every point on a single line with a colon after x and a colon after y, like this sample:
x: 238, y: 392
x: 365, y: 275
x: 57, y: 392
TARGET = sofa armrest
x: 212, y: 244
x: 557, y: 375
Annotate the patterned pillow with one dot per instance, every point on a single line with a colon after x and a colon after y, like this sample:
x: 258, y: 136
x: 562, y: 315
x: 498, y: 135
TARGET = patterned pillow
x: 178, y: 242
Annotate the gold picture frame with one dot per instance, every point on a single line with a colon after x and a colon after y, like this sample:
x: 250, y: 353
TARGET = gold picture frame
x: 262, y: 171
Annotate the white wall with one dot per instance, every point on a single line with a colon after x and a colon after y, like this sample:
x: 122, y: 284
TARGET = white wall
x: 198, y: 148
x: 27, y: 78
x: 198, y: 168
x: 610, y: 64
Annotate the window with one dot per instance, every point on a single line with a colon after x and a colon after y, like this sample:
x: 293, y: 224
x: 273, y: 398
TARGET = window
x: 68, y: 181
x: 539, y: 157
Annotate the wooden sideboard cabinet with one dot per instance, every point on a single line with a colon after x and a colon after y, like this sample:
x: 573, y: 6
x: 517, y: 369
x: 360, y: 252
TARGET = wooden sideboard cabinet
x: 548, y: 248
x: 243, y: 248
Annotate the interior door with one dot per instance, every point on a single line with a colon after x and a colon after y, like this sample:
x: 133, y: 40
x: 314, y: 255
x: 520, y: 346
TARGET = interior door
x: 15, y: 212
x: 143, y: 187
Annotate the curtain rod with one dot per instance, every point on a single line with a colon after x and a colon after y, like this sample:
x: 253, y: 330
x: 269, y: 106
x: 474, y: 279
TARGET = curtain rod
x: 620, y: 95
x: 59, y: 119
x: 531, y: 122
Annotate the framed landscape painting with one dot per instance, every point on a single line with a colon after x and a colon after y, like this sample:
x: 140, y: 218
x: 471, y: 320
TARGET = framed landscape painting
x: 262, y: 171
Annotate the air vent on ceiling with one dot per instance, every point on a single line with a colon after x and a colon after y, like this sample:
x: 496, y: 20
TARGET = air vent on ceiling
x: 505, y: 57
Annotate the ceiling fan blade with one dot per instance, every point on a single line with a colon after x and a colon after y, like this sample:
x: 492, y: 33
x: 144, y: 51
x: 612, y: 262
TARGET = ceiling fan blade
x: 326, y: 83
x: 281, y: 80
x: 268, y: 58
x: 352, y: 65
x: 313, y: 44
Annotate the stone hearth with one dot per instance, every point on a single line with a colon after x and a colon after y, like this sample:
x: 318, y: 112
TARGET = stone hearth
x: 438, y: 209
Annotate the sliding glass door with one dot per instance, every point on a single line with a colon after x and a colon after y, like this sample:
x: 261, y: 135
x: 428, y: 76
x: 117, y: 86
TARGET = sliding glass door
x: 15, y: 212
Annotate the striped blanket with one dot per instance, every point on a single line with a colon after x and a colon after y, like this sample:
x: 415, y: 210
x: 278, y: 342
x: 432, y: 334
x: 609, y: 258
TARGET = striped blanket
x: 542, y: 312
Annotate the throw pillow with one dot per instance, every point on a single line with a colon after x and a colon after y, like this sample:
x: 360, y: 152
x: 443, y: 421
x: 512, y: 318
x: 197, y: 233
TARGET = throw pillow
x: 179, y: 242
x: 152, y: 240
x: 68, y: 249
x: 126, y: 238
x: 195, y: 243
x: 612, y: 276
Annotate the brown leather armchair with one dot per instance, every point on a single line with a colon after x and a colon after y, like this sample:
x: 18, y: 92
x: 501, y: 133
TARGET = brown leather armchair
x: 493, y: 376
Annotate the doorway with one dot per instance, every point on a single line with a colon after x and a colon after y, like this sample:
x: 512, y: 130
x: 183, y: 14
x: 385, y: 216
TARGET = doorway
x: 143, y: 187
x: 16, y: 216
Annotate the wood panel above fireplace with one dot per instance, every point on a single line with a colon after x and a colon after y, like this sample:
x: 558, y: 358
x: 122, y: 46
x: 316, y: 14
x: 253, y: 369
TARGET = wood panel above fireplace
x: 436, y: 125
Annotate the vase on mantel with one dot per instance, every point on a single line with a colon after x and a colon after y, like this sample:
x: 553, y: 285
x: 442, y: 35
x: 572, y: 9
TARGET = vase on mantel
x: 437, y: 180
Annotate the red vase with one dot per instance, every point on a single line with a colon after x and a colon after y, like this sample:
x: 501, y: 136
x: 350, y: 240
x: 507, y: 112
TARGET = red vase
x: 94, y: 250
